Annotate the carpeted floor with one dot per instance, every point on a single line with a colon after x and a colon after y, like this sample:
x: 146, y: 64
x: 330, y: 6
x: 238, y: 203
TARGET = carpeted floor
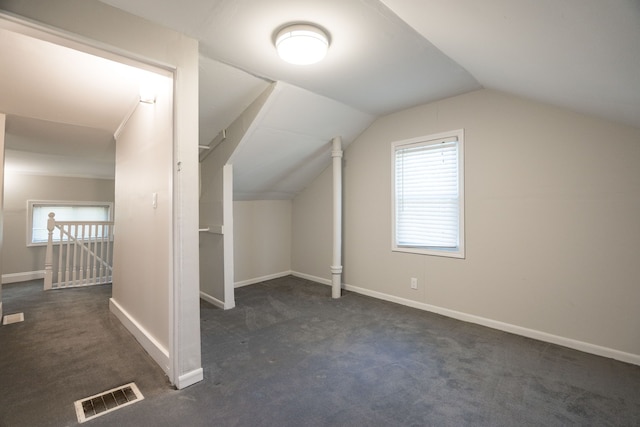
x: 69, y: 347
x: 289, y: 355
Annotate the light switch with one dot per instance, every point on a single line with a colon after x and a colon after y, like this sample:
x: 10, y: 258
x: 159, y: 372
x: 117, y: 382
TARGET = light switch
x: 154, y: 200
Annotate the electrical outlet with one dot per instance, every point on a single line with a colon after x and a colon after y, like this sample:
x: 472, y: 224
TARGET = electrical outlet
x: 414, y: 283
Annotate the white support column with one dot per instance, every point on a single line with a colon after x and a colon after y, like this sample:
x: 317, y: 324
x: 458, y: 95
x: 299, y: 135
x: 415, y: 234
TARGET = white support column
x: 336, y: 266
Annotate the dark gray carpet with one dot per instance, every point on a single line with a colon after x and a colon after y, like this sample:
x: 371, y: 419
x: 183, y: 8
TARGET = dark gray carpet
x: 289, y: 355
x: 69, y: 347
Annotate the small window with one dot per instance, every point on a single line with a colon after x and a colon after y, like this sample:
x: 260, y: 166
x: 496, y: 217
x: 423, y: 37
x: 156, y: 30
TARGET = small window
x: 428, y: 195
x: 38, y: 214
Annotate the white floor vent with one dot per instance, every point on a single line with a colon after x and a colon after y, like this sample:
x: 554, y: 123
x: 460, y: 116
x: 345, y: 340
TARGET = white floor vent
x: 108, y: 401
x: 13, y: 318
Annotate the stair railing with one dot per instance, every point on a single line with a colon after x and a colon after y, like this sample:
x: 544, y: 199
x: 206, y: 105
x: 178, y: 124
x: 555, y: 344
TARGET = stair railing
x: 83, y: 256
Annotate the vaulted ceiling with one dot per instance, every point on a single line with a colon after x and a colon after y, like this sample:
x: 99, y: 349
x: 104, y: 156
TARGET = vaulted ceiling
x: 386, y: 55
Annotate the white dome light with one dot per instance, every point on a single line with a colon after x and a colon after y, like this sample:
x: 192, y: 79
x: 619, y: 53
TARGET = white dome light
x: 302, y: 44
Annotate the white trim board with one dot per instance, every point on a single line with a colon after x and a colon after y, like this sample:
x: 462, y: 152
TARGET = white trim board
x: 490, y: 323
x: 313, y: 278
x: 146, y: 340
x: 24, y: 276
x: 190, y: 378
x: 227, y: 237
x: 262, y: 279
x: 212, y: 300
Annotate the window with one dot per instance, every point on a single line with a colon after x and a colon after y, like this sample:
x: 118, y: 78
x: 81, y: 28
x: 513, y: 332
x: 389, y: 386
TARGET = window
x: 38, y: 214
x: 428, y: 195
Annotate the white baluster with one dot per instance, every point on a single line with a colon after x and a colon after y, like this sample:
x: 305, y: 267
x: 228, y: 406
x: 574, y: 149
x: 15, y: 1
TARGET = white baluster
x: 82, y: 264
x: 89, y: 256
x: 60, y: 270
x: 66, y: 255
x: 102, y: 269
x: 95, y: 255
x: 74, y: 269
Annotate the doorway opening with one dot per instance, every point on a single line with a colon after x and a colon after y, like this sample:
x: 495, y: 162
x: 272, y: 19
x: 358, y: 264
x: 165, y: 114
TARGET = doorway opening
x: 81, y: 125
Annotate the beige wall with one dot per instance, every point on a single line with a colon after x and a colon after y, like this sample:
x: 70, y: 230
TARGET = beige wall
x: 262, y: 239
x: 18, y: 258
x: 312, y: 228
x: 142, y: 240
x: 552, y: 230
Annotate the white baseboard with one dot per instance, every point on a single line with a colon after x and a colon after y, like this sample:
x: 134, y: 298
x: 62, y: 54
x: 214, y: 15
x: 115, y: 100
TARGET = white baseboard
x: 212, y: 300
x: 312, y: 278
x: 146, y: 340
x: 190, y: 378
x: 494, y: 324
x: 261, y: 279
x: 24, y: 276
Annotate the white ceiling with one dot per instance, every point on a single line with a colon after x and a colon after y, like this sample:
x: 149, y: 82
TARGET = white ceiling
x: 578, y: 54
x: 63, y: 107
x: 385, y: 55
x: 43, y: 147
x: 376, y: 63
x: 290, y: 144
x: 42, y: 80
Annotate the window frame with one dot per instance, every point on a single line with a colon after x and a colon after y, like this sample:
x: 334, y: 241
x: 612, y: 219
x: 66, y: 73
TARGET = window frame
x: 459, y: 251
x: 58, y: 203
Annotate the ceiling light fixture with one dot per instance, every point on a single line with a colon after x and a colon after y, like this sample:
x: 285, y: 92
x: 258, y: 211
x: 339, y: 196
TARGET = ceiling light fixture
x: 302, y: 44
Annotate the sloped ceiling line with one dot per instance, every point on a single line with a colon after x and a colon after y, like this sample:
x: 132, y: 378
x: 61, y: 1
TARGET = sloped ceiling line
x: 288, y: 143
x: 386, y: 55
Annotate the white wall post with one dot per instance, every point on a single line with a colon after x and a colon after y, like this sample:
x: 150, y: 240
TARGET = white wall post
x: 48, y: 257
x: 336, y: 266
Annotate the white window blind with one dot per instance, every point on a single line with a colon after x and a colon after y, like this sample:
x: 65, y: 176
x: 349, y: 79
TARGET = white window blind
x: 65, y: 211
x: 428, y: 195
